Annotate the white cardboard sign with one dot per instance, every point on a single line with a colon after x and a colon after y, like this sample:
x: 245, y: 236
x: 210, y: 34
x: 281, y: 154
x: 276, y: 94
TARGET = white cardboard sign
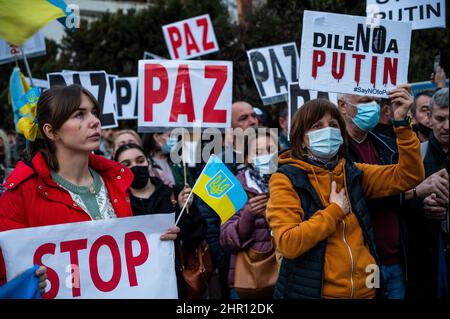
x: 190, y: 38
x: 184, y: 93
x: 96, y: 82
x: 115, y: 258
x: 33, y: 47
x: 423, y: 14
x: 126, y: 98
x: 39, y: 83
x: 273, y: 69
x: 152, y: 56
x: 343, y: 54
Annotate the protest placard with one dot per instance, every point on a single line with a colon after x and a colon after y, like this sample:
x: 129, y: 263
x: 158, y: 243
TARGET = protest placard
x: 298, y: 97
x: 423, y: 14
x: 273, y: 69
x: 151, y: 56
x: 344, y: 54
x: 39, y: 83
x: 96, y: 82
x: 183, y: 93
x: 126, y: 98
x: 33, y: 47
x: 418, y: 87
x: 190, y: 38
x: 113, y: 258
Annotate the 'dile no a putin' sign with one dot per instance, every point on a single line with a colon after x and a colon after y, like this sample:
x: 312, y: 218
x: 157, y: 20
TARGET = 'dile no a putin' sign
x: 346, y: 54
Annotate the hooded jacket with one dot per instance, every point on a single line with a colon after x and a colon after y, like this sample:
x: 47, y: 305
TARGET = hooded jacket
x: 346, y: 254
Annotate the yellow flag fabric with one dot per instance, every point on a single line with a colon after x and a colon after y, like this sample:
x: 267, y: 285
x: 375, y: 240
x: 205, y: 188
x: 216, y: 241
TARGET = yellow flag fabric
x: 220, y: 189
x: 20, y: 19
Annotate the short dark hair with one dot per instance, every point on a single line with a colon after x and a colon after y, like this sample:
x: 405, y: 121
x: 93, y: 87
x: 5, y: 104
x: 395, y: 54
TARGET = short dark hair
x: 126, y: 147
x: 305, y: 117
x: 428, y: 93
x: 283, y: 112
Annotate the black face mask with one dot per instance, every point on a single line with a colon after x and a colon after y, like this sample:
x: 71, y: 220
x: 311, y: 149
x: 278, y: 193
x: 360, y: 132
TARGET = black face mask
x: 425, y: 130
x: 141, y: 176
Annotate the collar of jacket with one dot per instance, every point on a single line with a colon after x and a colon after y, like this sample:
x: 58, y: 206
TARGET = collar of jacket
x: 436, y: 145
x: 107, y: 169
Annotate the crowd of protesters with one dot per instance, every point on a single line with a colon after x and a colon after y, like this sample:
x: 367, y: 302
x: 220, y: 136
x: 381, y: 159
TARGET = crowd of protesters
x: 357, y: 184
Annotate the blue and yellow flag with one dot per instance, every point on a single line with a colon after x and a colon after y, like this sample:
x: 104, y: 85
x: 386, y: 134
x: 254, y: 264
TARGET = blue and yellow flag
x: 18, y: 86
x: 220, y: 189
x: 20, y: 19
x: 27, y: 125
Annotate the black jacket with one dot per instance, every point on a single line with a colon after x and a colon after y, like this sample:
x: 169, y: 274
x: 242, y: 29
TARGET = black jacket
x: 423, y: 239
x: 192, y: 226
x: 220, y: 256
x: 384, y: 140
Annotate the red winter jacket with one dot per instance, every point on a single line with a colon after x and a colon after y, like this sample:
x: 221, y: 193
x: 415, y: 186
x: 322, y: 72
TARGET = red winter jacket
x: 33, y: 199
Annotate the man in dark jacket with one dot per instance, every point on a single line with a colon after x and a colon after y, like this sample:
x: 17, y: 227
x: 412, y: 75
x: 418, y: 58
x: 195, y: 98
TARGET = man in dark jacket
x: 428, y: 203
x: 366, y: 145
x: 243, y: 116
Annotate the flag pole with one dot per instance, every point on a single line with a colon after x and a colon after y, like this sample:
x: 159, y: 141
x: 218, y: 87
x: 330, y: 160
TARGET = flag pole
x: 192, y: 190
x: 184, y: 163
x: 184, y: 206
x: 26, y: 65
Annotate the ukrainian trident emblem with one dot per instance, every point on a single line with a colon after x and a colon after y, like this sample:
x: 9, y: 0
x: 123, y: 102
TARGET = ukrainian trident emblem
x: 219, y: 185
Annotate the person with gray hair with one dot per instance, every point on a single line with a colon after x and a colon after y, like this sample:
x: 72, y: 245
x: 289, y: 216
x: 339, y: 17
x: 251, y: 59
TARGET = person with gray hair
x: 428, y: 202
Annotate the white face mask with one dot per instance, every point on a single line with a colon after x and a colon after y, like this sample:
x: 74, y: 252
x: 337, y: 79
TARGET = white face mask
x: 325, y: 143
x: 264, y: 164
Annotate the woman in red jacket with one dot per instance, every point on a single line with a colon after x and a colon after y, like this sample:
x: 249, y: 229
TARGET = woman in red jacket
x: 65, y: 182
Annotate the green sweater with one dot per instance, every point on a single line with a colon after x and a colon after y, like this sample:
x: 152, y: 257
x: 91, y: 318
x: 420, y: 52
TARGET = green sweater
x: 91, y: 199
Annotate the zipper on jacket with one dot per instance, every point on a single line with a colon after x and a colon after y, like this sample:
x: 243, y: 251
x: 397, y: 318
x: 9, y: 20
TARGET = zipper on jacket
x: 351, y: 258
x: 393, y: 152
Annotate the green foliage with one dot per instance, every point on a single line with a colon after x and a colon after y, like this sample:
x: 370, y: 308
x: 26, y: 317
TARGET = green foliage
x: 115, y: 42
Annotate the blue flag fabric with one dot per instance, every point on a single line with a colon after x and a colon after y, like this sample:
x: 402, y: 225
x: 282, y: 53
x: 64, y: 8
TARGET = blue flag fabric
x: 24, y: 286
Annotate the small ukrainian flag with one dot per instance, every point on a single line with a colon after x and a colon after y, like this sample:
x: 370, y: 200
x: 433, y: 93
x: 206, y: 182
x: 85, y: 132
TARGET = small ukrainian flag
x: 220, y: 189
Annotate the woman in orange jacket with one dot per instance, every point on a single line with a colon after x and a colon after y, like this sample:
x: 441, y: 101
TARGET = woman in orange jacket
x: 317, y: 208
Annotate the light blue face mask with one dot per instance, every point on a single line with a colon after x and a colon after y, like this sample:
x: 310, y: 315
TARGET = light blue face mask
x: 368, y: 116
x: 325, y: 143
x: 169, y: 145
x: 264, y: 164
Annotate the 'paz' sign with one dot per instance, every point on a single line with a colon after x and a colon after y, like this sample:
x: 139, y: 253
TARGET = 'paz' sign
x: 298, y: 97
x: 190, y: 38
x: 183, y: 93
x: 273, y: 69
x: 344, y: 54
x: 126, y: 98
